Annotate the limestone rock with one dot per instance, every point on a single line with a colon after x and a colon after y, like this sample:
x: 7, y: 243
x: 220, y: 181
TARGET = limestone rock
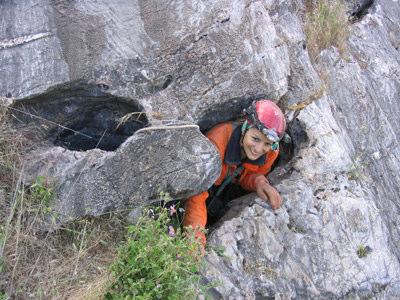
x: 329, y: 239
x: 176, y: 60
x: 337, y: 235
x: 176, y: 159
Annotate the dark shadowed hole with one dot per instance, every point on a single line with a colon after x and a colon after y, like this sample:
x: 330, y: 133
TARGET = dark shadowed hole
x: 104, y: 125
x: 79, y: 117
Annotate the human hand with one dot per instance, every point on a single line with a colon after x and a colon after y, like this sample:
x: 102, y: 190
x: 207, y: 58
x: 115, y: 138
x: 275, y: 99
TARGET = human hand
x: 267, y: 192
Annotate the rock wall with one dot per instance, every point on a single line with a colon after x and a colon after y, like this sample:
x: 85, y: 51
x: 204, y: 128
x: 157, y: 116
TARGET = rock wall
x: 337, y: 235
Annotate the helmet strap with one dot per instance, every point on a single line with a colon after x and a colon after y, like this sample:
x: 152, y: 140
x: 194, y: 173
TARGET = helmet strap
x: 275, y: 146
x: 245, y: 127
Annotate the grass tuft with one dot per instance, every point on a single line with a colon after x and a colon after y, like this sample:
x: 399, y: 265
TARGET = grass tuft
x: 45, y: 265
x: 326, y: 26
x: 155, y: 264
x: 363, y: 251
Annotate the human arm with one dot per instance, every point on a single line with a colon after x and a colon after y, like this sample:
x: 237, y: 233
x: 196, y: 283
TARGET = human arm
x: 196, y: 215
x: 267, y: 192
x: 256, y: 181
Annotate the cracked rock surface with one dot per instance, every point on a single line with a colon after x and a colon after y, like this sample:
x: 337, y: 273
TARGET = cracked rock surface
x: 95, y: 182
x: 337, y: 235
x: 312, y: 246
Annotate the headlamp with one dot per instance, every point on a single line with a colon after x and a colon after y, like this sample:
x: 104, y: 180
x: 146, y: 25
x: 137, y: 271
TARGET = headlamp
x: 270, y: 134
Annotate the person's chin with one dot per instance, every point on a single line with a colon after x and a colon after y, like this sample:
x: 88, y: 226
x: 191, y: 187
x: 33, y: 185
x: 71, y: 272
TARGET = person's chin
x: 251, y: 156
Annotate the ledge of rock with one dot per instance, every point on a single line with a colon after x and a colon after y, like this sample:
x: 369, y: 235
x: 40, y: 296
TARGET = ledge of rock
x: 95, y: 182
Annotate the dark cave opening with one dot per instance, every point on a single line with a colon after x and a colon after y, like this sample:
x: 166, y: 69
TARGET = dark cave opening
x: 79, y: 117
x: 105, y: 126
x: 295, y: 139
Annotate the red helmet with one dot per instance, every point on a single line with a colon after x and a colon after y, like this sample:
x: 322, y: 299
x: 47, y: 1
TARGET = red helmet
x: 267, y: 117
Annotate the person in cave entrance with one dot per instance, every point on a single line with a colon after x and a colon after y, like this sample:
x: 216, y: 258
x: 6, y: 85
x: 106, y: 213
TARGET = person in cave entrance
x: 247, y: 153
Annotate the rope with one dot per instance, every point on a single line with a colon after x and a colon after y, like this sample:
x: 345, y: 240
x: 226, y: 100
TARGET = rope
x: 46, y: 120
x: 163, y: 127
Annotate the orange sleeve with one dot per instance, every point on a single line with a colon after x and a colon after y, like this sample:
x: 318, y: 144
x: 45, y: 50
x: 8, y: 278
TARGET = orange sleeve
x: 248, y: 181
x: 248, y: 178
x: 219, y: 136
x: 195, y: 207
x: 196, y: 215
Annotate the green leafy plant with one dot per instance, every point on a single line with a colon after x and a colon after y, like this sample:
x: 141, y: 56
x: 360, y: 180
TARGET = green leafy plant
x: 155, y: 264
x: 41, y: 192
x: 71, y: 262
x: 363, y: 251
x: 326, y: 25
x: 4, y: 296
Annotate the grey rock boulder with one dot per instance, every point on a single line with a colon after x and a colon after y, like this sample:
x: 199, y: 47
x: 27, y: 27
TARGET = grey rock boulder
x: 204, y: 62
x: 172, y: 158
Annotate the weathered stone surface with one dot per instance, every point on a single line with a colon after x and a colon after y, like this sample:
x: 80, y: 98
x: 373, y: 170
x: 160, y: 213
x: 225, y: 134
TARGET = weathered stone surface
x: 31, y: 58
x: 304, y: 84
x: 176, y: 59
x: 204, y: 62
x: 364, y: 95
x: 182, y: 60
x: 341, y: 190
x: 310, y: 248
x: 94, y: 182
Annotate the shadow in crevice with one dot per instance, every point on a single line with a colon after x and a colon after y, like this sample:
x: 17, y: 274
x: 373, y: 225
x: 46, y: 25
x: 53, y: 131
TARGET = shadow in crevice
x: 99, y: 126
x: 296, y: 138
x: 289, y: 147
x: 79, y: 117
x: 224, y: 112
x: 359, y: 9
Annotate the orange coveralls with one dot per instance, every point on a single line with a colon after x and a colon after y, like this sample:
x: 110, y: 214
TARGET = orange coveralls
x: 227, y: 140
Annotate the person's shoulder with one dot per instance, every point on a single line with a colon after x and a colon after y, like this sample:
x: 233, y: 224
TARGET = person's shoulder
x: 270, y: 158
x: 226, y: 127
x: 220, y: 134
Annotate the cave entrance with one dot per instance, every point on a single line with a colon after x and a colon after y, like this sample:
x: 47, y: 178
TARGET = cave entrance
x: 103, y: 125
x: 79, y: 117
x: 295, y: 139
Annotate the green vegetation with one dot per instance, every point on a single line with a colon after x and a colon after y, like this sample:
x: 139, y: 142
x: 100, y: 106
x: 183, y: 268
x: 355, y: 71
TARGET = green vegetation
x: 363, y: 251
x: 4, y: 296
x: 42, y: 193
x: 356, y: 169
x: 73, y: 262
x: 326, y: 26
x: 156, y: 262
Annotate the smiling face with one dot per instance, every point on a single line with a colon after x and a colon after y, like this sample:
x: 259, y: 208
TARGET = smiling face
x: 254, y: 144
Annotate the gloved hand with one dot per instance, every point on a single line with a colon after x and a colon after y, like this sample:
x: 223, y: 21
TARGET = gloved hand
x: 267, y: 192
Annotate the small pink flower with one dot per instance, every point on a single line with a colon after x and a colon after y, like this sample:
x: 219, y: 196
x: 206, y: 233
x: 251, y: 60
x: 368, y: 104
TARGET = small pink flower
x: 172, y: 210
x: 171, y: 231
